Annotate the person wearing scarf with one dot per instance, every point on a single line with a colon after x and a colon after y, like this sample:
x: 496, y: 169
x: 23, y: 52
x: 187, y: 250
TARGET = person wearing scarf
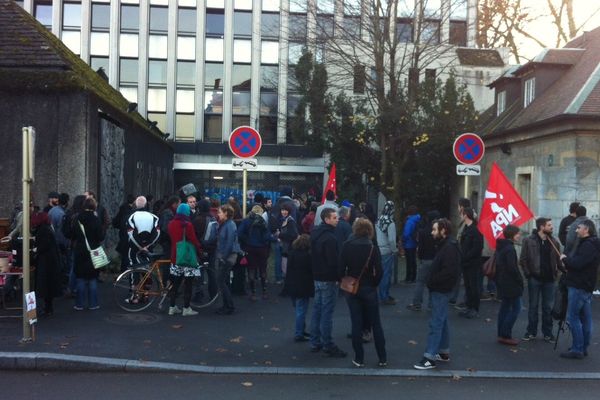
x: 182, y: 223
x: 386, y: 240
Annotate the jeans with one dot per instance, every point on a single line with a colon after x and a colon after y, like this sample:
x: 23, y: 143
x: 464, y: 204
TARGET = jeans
x: 422, y: 277
x: 471, y: 278
x: 321, y: 324
x: 387, y: 263
x: 411, y: 264
x: 507, y: 316
x: 438, y: 340
x: 87, y: 287
x: 364, y: 307
x: 545, y: 290
x: 579, y: 318
x: 300, y: 306
x: 223, y: 279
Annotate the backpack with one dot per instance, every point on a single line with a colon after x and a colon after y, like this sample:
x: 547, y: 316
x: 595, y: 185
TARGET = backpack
x: 489, y: 267
x: 67, y: 225
x: 210, y: 234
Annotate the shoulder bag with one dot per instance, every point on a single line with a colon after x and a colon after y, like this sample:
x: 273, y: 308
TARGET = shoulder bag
x: 98, y: 255
x: 186, y: 252
x: 349, y: 283
x: 489, y: 267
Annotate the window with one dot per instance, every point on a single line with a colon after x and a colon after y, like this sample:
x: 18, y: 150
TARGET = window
x: 214, y: 49
x: 269, y: 25
x: 270, y: 5
x: 268, y: 112
x: 72, y: 39
x: 160, y: 119
x: 430, y: 33
x: 406, y: 8
x: 187, y: 3
x: 215, y: 23
x: 352, y: 26
x: 130, y: 18
x: 242, y: 24
x: 43, y: 12
x: 159, y: 19
x: 458, y: 33
x: 241, y: 76
x: 294, y: 52
x: 130, y: 93
x: 433, y: 8
x: 529, y: 91
x: 184, y: 119
x: 213, y: 76
x: 215, y: 3
x: 269, y: 78
x: 241, y: 103
x: 243, y: 4
x: 128, y: 45
x: 186, y: 22
x: 157, y: 72
x: 458, y: 10
x: 293, y: 101
x: 404, y: 30
x: 186, y: 48
x: 128, y: 71
x: 360, y: 79
x: 157, y: 46
x: 100, y: 16
x: 325, y: 26
x: 325, y: 6
x: 242, y: 51
x: 99, y: 62
x: 297, y: 26
x: 352, y: 7
x: 298, y: 6
x: 501, y: 102
x: 213, y: 119
x: 71, y: 15
x: 99, y: 43
x: 430, y: 75
x: 186, y: 73
x: 269, y: 52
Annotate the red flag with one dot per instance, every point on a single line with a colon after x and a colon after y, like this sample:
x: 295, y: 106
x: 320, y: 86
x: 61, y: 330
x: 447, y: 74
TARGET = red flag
x: 331, y: 185
x: 502, y: 206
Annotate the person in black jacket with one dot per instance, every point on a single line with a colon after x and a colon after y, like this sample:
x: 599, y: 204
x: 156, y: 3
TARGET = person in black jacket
x: 510, y: 284
x: 299, y: 283
x: 445, y: 271
x: 47, y: 262
x: 582, y: 274
x: 471, y: 246
x: 324, y: 249
x: 360, y: 259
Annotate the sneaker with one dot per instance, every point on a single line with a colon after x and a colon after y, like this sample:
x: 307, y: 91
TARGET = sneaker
x: 596, y: 292
x: 549, y: 338
x: 77, y: 308
x: 382, y: 364
x: 445, y: 357
x: 298, y: 339
x: 425, y: 363
x: 573, y: 355
x: 174, y: 310
x: 335, y: 352
x: 461, y: 306
x: 358, y: 364
x: 189, y: 312
x: 414, y: 307
x: 94, y: 308
x: 528, y: 336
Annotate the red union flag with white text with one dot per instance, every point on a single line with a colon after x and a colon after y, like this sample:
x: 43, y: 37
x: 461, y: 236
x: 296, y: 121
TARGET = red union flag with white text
x: 502, y: 206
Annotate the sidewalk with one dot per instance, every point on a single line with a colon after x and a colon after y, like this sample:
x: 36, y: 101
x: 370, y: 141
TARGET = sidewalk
x: 259, y: 336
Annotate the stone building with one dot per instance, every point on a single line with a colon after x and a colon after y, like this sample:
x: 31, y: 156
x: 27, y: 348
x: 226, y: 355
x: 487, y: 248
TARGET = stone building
x: 88, y: 136
x: 544, y: 129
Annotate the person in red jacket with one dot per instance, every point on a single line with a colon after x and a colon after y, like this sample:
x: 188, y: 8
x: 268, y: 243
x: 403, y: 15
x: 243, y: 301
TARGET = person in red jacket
x: 180, y: 223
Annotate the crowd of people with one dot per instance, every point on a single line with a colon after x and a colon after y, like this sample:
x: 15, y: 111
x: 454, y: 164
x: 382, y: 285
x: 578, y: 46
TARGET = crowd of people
x: 315, y: 247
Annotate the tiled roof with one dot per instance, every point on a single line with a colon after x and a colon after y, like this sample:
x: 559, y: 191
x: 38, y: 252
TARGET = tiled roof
x: 479, y: 57
x: 576, y: 91
x: 32, y: 58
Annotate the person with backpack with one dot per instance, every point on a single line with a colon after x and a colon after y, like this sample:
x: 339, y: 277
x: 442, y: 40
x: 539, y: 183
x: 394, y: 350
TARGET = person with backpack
x: 255, y: 239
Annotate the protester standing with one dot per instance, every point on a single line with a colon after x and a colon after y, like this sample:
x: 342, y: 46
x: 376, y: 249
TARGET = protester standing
x: 47, y: 262
x: 386, y: 240
x: 226, y: 256
x: 409, y: 243
x: 471, y: 246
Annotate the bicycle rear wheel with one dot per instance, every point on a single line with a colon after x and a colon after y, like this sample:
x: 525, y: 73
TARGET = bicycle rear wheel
x: 130, y: 294
x: 209, y: 290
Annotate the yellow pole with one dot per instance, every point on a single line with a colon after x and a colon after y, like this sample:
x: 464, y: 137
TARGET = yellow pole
x: 25, y: 230
x: 244, y: 190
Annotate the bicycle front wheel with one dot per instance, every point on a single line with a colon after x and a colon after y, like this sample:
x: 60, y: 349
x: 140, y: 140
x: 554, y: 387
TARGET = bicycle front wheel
x: 135, y: 290
x: 207, y: 287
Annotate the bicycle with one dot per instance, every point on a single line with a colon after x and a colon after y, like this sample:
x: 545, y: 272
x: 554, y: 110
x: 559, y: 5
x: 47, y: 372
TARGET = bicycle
x: 137, y: 288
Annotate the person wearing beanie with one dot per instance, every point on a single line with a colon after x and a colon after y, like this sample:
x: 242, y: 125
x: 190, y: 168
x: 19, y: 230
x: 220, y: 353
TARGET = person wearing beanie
x: 180, y: 225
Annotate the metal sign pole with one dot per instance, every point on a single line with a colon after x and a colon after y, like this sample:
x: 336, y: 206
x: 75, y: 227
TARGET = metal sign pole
x: 25, y: 230
x: 244, y: 190
x: 466, y: 186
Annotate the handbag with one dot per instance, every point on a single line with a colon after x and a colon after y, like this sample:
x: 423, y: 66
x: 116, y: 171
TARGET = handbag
x: 186, y: 253
x: 489, y: 267
x: 98, y: 255
x: 349, y: 283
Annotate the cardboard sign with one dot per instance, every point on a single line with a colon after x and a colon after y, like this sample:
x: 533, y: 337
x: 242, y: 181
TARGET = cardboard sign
x: 31, y: 307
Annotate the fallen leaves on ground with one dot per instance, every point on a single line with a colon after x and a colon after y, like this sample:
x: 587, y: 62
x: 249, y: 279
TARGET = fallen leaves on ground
x: 247, y: 384
x: 456, y: 377
x: 176, y: 326
x: 514, y: 350
x: 268, y: 362
x: 147, y: 342
x: 488, y: 320
x: 471, y: 369
x: 221, y: 350
x: 413, y: 342
x: 236, y: 339
x: 275, y: 329
x: 266, y: 346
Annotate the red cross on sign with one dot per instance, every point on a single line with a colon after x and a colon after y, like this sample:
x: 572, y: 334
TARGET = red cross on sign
x: 245, y: 142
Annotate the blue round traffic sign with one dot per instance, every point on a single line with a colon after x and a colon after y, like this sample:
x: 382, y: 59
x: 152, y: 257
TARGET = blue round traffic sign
x: 468, y: 148
x: 245, y: 142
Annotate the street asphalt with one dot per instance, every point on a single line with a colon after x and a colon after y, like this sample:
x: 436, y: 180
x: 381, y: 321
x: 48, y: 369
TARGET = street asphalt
x: 258, y: 338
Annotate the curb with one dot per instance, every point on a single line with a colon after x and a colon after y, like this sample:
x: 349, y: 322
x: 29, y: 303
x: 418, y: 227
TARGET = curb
x: 63, y: 362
